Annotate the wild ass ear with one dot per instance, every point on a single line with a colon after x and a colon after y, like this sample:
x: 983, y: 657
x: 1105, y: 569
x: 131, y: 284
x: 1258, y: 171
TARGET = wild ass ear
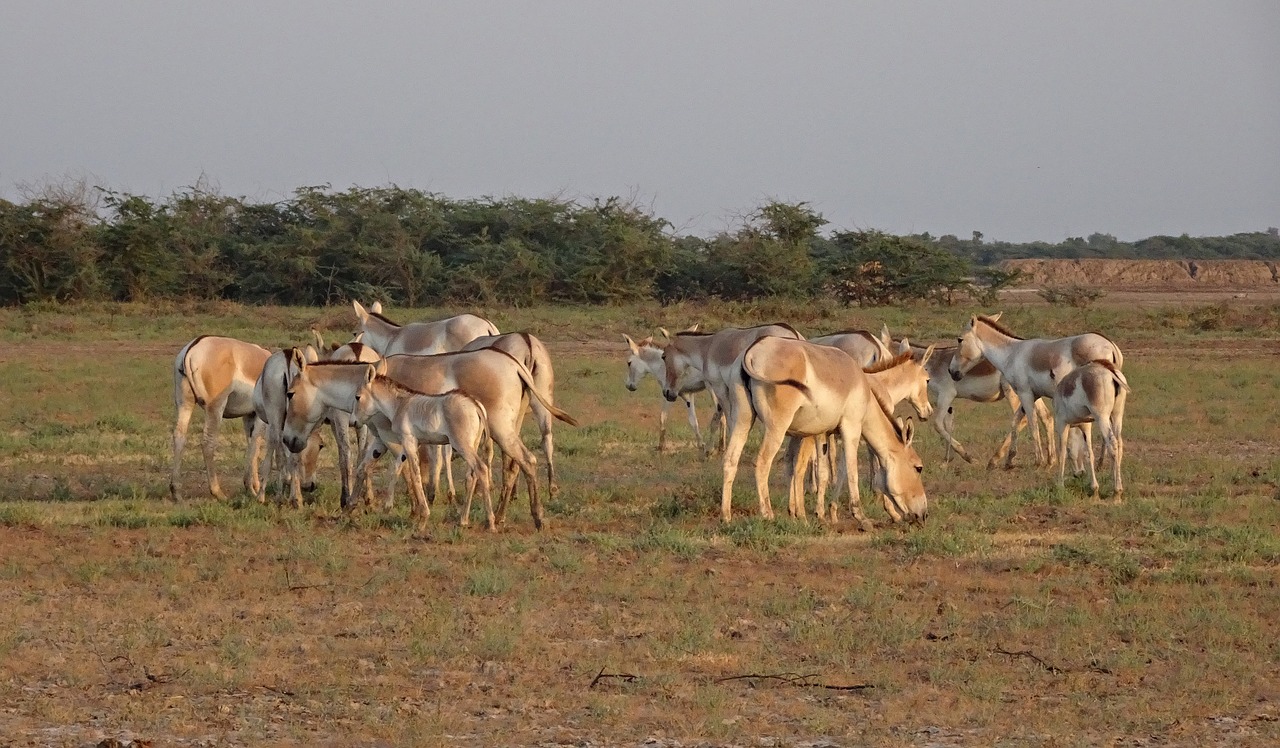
x: 647, y: 342
x: 358, y: 337
x: 370, y: 373
x: 376, y: 307
x: 907, y: 428
x: 362, y: 314
x: 882, y: 350
x: 928, y: 352
x: 316, y: 336
x: 310, y: 355
x: 380, y: 367
x: 693, y: 328
x: 664, y: 332
x: 994, y: 317
x: 885, y: 337
x: 635, y: 349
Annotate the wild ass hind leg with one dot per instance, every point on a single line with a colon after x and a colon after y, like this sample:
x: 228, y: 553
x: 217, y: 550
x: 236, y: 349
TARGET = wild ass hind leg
x: 413, y: 474
x: 212, y: 423
x: 738, y: 421
x: 764, y: 464
x: 186, y: 404
x: 1086, y: 430
x: 693, y: 420
x: 797, y: 461
x: 944, y: 419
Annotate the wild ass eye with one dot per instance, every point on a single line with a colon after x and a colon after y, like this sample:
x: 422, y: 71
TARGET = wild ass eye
x: 919, y: 468
x: 289, y: 395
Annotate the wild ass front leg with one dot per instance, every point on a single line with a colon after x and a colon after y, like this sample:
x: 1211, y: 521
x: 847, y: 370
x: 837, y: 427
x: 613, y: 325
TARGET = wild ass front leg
x: 851, y: 439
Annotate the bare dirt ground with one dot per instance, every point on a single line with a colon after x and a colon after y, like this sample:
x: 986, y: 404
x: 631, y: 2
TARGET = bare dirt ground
x: 1015, y: 616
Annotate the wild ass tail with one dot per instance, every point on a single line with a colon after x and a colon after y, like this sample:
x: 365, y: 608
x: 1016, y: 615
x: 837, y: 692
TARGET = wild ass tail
x: 527, y: 379
x: 749, y: 373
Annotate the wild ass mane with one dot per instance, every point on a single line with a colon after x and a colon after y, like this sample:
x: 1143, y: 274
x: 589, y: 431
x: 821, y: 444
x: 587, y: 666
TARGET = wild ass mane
x: 995, y: 325
x: 888, y: 363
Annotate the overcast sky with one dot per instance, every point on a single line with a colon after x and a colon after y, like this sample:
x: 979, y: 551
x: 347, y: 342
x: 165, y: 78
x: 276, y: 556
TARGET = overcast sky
x: 1024, y: 120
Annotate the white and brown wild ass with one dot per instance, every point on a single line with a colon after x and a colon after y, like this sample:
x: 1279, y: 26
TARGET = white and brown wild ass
x: 861, y: 345
x: 713, y: 358
x: 1092, y: 393
x: 419, y: 338
x: 645, y: 359
x: 982, y: 384
x: 1030, y: 366
x: 801, y: 390
x: 452, y: 418
x: 270, y: 403
x: 218, y: 375
x: 491, y: 376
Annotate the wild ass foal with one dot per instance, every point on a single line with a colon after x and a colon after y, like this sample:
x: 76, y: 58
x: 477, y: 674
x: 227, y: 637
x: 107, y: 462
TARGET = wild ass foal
x: 452, y: 418
x: 1031, y: 367
x: 419, y: 338
x: 645, y: 359
x: 804, y: 390
x: 493, y: 377
x: 218, y: 374
x: 1088, y: 394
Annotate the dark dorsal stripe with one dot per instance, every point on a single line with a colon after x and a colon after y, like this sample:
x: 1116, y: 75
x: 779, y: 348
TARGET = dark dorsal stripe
x: 889, y: 363
x: 406, y: 389
x: 998, y: 327
x: 384, y: 318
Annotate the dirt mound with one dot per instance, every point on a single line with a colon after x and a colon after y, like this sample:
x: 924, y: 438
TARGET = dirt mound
x: 1141, y: 275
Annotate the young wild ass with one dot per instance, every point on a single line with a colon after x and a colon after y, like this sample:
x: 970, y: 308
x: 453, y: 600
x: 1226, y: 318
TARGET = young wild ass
x: 1092, y: 393
x: 1030, y: 367
x: 713, y: 358
x: 419, y: 338
x: 644, y: 360
x: 491, y: 376
x: 800, y: 389
x: 981, y: 384
x: 217, y: 374
x: 452, y: 418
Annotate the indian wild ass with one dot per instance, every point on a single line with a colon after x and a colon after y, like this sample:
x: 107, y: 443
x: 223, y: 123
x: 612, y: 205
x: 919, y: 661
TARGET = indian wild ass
x: 713, y: 358
x: 800, y: 389
x: 270, y: 403
x: 491, y: 376
x: 1092, y: 393
x: 218, y: 374
x: 1030, y: 366
x: 452, y: 418
x: 645, y: 359
x: 981, y: 384
x: 419, y: 338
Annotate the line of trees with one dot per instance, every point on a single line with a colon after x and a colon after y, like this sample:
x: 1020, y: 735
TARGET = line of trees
x: 75, y: 242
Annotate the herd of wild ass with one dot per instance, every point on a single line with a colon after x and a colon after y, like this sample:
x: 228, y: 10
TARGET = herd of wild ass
x: 428, y: 390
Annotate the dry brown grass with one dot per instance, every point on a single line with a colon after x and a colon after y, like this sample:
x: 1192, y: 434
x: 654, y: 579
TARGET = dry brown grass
x: 1018, y: 615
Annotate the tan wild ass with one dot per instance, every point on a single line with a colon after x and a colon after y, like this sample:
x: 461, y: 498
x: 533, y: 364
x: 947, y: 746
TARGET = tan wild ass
x: 452, y: 418
x: 713, y: 358
x: 861, y: 345
x: 645, y: 359
x: 1088, y: 394
x: 419, y: 338
x: 1030, y: 367
x: 800, y: 389
x: 218, y: 374
x: 894, y: 380
x: 491, y: 376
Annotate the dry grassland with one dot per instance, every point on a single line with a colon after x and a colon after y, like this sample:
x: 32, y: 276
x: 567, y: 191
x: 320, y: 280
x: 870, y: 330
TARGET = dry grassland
x: 1018, y: 615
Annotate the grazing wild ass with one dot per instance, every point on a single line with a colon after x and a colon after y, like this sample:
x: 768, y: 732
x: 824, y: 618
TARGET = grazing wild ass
x: 894, y: 380
x: 1031, y: 367
x: 800, y: 389
x: 419, y: 338
x: 712, y: 358
x: 491, y: 376
x: 452, y: 418
x: 1088, y: 394
x: 218, y: 374
x: 644, y: 360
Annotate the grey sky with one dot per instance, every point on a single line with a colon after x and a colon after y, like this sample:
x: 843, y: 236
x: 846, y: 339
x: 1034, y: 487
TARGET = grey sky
x: 1024, y: 120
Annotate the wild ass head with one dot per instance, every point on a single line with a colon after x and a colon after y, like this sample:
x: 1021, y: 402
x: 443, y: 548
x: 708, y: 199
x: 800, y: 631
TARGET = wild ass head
x: 972, y: 348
